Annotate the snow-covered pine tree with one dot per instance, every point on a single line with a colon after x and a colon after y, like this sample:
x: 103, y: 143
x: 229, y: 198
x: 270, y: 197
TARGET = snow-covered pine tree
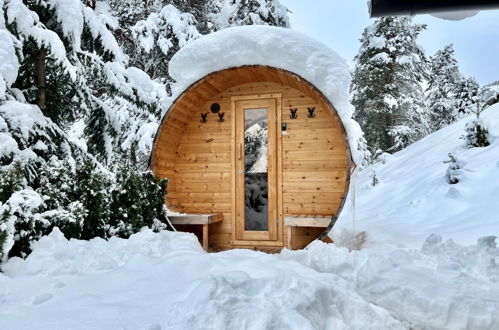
x: 477, y: 134
x: 386, y: 84
x: 159, y: 36
x: 61, y: 56
x: 78, y: 70
x: 226, y: 13
x: 137, y: 200
x: 467, y: 94
x: 443, y: 81
x: 454, y: 172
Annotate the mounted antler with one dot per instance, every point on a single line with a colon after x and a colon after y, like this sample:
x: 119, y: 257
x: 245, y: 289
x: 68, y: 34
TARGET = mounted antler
x: 221, y: 117
x: 311, y: 112
x: 203, y: 117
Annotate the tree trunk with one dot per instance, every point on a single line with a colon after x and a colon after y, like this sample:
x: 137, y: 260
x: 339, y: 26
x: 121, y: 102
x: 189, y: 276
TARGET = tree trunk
x: 40, y: 69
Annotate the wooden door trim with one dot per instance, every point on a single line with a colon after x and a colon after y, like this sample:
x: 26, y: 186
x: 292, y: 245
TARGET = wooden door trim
x: 278, y: 240
x: 271, y: 233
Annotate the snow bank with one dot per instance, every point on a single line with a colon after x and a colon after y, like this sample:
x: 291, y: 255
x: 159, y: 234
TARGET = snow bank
x: 276, y: 47
x: 413, y: 198
x: 443, y: 285
x: 166, y: 281
x: 55, y: 255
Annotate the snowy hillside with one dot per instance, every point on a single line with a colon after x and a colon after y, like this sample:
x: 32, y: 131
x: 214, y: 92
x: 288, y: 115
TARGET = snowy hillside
x: 413, y: 199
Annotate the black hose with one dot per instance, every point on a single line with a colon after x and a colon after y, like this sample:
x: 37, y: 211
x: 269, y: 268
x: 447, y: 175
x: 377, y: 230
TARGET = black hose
x: 328, y: 228
x: 378, y: 8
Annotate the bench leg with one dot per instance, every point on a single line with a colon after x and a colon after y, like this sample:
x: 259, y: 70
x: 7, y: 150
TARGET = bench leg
x: 289, y: 237
x: 205, y: 237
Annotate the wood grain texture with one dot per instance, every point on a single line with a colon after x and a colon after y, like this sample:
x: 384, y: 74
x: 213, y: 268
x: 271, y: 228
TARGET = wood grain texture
x: 199, y: 159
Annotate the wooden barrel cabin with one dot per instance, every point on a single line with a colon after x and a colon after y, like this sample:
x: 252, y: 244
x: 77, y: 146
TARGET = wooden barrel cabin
x: 255, y: 154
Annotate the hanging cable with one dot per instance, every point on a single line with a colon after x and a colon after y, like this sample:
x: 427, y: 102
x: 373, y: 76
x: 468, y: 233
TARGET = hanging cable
x: 354, y: 195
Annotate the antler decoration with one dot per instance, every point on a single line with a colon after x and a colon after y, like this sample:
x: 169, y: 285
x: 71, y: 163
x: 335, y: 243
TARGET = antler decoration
x: 293, y: 114
x: 311, y: 112
x: 221, y: 117
x: 203, y: 117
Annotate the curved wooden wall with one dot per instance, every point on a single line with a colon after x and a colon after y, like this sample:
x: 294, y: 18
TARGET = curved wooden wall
x: 196, y: 157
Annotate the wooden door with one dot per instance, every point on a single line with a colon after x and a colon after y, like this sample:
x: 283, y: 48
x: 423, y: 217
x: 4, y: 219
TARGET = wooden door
x: 256, y: 170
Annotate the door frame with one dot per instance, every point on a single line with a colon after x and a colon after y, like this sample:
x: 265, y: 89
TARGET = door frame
x: 278, y: 189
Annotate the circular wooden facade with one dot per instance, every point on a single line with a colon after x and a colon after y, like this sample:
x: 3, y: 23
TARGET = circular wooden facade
x: 308, y: 157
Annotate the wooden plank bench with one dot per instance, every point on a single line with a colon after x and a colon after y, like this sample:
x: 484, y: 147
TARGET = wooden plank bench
x: 197, y: 219
x: 304, y: 221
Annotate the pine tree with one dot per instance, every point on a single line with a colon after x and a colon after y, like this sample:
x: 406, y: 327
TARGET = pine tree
x: 467, y: 94
x: 477, y: 134
x: 137, y: 201
x: 443, y: 81
x: 386, y: 84
x: 159, y: 36
x: 227, y: 13
x: 454, y: 171
x: 93, y: 191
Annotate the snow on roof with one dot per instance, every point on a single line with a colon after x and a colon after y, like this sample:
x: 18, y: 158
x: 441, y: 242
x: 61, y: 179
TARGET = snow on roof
x: 275, y: 47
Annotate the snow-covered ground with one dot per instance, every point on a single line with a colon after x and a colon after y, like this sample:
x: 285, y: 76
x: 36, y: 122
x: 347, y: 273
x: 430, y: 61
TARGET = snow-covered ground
x: 403, y: 278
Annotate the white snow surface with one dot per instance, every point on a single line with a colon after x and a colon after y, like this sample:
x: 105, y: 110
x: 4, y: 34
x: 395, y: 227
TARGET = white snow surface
x: 413, y: 198
x: 271, y: 46
x: 166, y: 281
x: 9, y: 64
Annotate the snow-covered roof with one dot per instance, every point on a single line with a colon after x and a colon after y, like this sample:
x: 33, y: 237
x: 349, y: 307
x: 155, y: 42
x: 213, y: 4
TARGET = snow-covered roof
x: 275, y: 47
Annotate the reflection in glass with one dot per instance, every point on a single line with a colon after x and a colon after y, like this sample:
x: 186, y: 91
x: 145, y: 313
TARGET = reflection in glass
x: 256, y: 169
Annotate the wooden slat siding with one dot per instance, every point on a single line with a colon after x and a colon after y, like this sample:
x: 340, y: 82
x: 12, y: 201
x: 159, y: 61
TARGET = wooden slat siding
x: 306, y: 222
x: 195, y: 156
x: 312, y: 165
x: 311, y: 186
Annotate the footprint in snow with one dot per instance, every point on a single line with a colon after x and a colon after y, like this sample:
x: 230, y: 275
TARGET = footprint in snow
x: 42, y: 298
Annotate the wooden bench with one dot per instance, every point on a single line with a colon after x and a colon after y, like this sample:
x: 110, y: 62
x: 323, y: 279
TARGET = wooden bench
x: 197, y: 219
x: 304, y: 221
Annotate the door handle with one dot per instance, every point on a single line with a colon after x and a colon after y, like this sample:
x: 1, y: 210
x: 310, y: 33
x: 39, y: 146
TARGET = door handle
x: 240, y: 152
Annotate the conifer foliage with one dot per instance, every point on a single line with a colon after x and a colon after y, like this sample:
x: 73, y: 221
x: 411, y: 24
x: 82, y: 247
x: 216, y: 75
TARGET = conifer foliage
x: 450, y: 96
x: 386, y: 84
x: 477, y: 134
x: 227, y: 13
x: 443, y: 81
x: 454, y: 172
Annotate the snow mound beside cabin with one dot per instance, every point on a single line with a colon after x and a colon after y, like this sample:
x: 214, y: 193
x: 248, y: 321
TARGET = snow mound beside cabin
x: 275, y: 47
x: 414, y: 200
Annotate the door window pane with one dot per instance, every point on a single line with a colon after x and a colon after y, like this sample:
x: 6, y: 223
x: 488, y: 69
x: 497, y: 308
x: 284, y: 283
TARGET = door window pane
x: 256, y: 169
